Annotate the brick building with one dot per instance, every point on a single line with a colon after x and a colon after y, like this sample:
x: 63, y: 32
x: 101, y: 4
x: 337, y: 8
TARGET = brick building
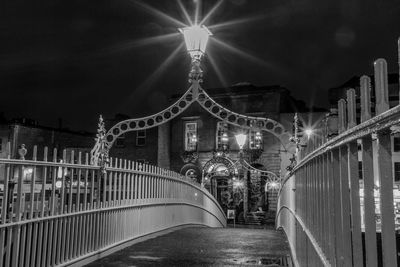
x: 24, y: 131
x: 198, y: 145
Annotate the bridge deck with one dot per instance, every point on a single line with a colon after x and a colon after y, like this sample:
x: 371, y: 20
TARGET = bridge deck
x: 199, y: 246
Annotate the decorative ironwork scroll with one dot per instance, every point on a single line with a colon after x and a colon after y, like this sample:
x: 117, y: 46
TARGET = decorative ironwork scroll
x: 99, y: 154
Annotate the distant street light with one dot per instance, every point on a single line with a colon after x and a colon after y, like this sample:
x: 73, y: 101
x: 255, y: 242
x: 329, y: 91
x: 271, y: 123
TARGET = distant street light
x: 241, y: 140
x: 308, y: 132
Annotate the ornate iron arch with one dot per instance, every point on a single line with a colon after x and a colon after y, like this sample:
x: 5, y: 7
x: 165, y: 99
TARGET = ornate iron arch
x: 195, y: 93
x: 222, y: 160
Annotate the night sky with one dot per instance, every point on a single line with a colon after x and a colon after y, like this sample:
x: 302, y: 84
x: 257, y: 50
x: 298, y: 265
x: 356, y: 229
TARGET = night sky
x: 76, y: 59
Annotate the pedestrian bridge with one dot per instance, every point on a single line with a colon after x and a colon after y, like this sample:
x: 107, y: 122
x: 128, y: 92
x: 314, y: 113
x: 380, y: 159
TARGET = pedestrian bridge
x: 70, y: 212
x: 336, y: 205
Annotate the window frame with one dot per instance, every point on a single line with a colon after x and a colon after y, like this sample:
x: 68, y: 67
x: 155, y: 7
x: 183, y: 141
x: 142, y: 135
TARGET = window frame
x: 120, y: 138
x: 252, y: 139
x: 396, y: 141
x: 186, y: 136
x: 396, y: 163
x: 218, y: 135
x: 141, y: 137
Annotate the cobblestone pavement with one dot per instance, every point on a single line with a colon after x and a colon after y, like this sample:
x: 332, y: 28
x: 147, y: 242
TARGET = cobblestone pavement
x: 200, y: 246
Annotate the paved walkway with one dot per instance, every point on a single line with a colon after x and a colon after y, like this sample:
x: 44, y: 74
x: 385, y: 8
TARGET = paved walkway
x: 200, y: 246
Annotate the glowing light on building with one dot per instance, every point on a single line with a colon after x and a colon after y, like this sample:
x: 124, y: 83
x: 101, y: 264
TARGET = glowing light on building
x: 308, y: 132
x: 241, y: 140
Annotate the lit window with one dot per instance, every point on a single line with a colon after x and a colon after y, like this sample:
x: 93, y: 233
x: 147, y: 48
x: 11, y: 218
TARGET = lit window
x: 141, y: 138
x: 255, y: 139
x: 222, y: 136
x: 120, y: 142
x: 396, y: 144
x: 397, y: 171
x: 191, y: 136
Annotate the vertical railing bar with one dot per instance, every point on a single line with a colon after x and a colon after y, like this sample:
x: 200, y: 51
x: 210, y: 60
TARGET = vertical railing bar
x: 85, y: 200
x: 345, y: 205
x: 43, y: 250
x: 369, y: 203
x: 110, y: 187
x: 7, y: 174
x: 44, y: 178
x: 92, y: 189
x: 63, y: 188
x: 50, y: 244
x: 115, y: 184
x: 124, y: 184
x: 389, y: 254
x: 120, y: 183
x: 355, y: 203
x: 128, y: 182
x: 105, y: 179
x: 56, y: 242
x: 71, y: 182
x: 78, y: 197
x: 337, y: 208
x: 22, y: 254
x: 32, y: 186
x: 8, y: 257
x: 34, y: 239
x: 53, y: 183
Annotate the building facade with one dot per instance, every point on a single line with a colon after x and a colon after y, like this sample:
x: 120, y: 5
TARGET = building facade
x: 17, y: 132
x: 203, y: 147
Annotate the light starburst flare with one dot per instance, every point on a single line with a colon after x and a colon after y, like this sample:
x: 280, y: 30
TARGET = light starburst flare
x: 193, y: 29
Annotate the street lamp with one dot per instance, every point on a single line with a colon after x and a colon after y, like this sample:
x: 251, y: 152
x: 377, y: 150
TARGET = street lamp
x: 196, y: 38
x: 241, y: 140
x: 308, y: 132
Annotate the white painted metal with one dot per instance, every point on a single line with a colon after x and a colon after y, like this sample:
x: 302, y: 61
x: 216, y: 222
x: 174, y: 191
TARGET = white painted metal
x: 303, y: 216
x: 93, y: 211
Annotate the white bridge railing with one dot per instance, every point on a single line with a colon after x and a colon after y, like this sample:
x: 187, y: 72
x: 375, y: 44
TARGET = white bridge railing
x: 61, y: 213
x: 333, y: 212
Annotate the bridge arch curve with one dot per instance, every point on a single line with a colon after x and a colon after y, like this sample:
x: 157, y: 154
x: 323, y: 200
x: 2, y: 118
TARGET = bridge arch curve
x: 194, y: 94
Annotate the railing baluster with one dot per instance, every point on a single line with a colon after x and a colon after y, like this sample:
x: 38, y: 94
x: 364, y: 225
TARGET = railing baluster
x: 71, y: 182
x: 63, y: 187
x: 345, y: 205
x: 58, y: 229
x: 386, y: 199
x: 337, y: 207
x: 120, y: 181
x: 32, y: 187
x: 355, y: 204
x: 369, y: 203
x: 78, y: 193
x: 342, y: 115
x: 381, y: 86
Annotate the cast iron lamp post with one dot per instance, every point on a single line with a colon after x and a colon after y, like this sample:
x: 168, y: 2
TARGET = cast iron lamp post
x: 241, y: 140
x: 196, y: 38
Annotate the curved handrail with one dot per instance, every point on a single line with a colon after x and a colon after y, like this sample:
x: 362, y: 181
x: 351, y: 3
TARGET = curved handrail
x: 373, y: 125
x: 310, y: 237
